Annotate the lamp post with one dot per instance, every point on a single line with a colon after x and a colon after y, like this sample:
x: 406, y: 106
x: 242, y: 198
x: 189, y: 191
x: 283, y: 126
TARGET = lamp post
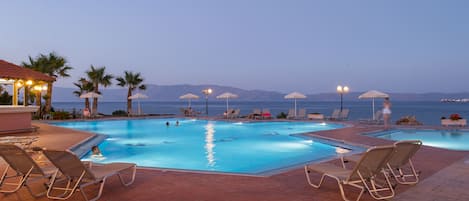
x: 342, y: 90
x: 207, y: 92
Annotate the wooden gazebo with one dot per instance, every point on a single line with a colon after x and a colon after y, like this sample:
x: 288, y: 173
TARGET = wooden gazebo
x: 19, y: 76
x: 17, y: 118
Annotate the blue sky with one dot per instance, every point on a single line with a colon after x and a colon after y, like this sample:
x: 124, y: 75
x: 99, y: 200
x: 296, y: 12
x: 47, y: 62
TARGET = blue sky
x: 307, y: 46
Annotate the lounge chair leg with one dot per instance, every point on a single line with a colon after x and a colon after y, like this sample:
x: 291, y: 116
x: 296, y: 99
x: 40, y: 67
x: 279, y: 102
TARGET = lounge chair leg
x: 4, y: 175
x: 342, y: 192
x: 309, y: 179
x: 68, y: 192
x: 101, y: 187
x: 401, y: 176
x: 36, y: 195
x: 375, y: 192
x: 134, y: 170
x: 18, y: 185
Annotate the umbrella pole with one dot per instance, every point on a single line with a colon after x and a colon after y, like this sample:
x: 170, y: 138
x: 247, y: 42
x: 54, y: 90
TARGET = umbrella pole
x: 295, y: 107
x: 139, y: 109
x: 189, y: 102
x: 226, y: 106
x: 373, y: 109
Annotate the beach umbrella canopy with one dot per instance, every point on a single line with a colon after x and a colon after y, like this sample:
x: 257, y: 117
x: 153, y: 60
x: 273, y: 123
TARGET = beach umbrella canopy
x: 189, y: 96
x: 138, y: 96
x: 91, y: 95
x: 295, y: 95
x: 373, y: 94
x: 227, y: 95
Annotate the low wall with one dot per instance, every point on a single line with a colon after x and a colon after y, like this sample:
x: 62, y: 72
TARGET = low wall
x: 16, y: 118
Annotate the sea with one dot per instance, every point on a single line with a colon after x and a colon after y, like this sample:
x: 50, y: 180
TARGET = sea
x: 426, y: 112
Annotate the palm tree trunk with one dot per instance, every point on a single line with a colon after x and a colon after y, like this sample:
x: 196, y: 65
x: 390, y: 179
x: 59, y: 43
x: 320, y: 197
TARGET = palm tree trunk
x: 49, y: 98
x: 95, y: 106
x: 129, y: 102
x: 87, y: 103
x: 26, y: 95
x: 95, y: 102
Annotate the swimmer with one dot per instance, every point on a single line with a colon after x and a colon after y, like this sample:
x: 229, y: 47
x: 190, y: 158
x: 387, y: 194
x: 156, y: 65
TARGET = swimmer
x: 177, y: 123
x: 96, y: 153
x: 167, y: 123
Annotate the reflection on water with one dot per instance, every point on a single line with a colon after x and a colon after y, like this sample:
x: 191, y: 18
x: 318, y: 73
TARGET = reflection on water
x: 455, y: 134
x: 271, y: 133
x: 136, y: 144
x: 228, y: 139
x: 209, y: 145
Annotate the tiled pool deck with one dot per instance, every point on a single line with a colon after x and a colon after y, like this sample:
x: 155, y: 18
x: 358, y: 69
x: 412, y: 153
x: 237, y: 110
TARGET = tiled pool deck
x: 445, y: 176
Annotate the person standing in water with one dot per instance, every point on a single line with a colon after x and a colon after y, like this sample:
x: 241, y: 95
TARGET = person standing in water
x: 96, y: 153
x: 386, y: 112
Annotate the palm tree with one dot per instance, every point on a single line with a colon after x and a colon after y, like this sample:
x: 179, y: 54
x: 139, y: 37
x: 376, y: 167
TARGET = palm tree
x: 132, y: 81
x: 53, y: 65
x: 98, y: 76
x: 84, y: 86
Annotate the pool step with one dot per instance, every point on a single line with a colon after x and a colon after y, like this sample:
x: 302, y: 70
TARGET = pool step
x: 83, y: 148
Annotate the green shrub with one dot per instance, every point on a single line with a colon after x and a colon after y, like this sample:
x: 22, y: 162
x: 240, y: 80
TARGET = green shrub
x: 60, y: 115
x: 282, y: 115
x: 119, y: 113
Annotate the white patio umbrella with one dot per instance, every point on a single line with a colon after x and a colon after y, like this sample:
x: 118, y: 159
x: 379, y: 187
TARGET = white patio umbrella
x: 138, y: 96
x: 227, y: 95
x: 189, y: 96
x: 295, y: 95
x: 373, y: 94
x: 91, y: 95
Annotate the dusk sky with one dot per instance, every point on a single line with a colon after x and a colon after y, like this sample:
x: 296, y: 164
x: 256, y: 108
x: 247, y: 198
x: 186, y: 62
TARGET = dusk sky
x: 307, y: 46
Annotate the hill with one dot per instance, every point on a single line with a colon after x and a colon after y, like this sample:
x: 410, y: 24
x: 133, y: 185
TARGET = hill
x: 172, y: 93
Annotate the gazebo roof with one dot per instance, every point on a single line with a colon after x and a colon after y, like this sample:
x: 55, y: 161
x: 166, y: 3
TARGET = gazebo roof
x: 13, y: 71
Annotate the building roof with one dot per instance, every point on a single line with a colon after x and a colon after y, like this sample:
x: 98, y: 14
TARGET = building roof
x: 13, y: 71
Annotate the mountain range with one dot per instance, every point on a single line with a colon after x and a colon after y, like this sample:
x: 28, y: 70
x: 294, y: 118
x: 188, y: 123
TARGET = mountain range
x: 172, y: 93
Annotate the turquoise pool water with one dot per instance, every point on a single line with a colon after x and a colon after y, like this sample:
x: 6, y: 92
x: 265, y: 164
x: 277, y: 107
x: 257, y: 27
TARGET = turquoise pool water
x: 447, y: 139
x: 235, y: 147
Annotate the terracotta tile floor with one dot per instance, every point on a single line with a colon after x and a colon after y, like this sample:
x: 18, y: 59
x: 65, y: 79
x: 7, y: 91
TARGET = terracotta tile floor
x: 162, y: 185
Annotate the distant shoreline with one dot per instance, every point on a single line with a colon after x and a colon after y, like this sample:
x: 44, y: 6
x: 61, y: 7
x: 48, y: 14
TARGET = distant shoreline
x: 173, y: 92
x: 377, y: 101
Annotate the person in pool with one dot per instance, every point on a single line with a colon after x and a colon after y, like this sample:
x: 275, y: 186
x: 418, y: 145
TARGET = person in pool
x: 96, y: 153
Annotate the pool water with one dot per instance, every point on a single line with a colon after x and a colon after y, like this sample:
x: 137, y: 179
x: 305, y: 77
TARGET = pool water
x: 235, y: 147
x: 447, y: 139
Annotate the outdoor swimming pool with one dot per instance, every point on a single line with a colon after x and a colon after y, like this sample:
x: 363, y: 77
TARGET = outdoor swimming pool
x: 447, y: 139
x: 235, y: 147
